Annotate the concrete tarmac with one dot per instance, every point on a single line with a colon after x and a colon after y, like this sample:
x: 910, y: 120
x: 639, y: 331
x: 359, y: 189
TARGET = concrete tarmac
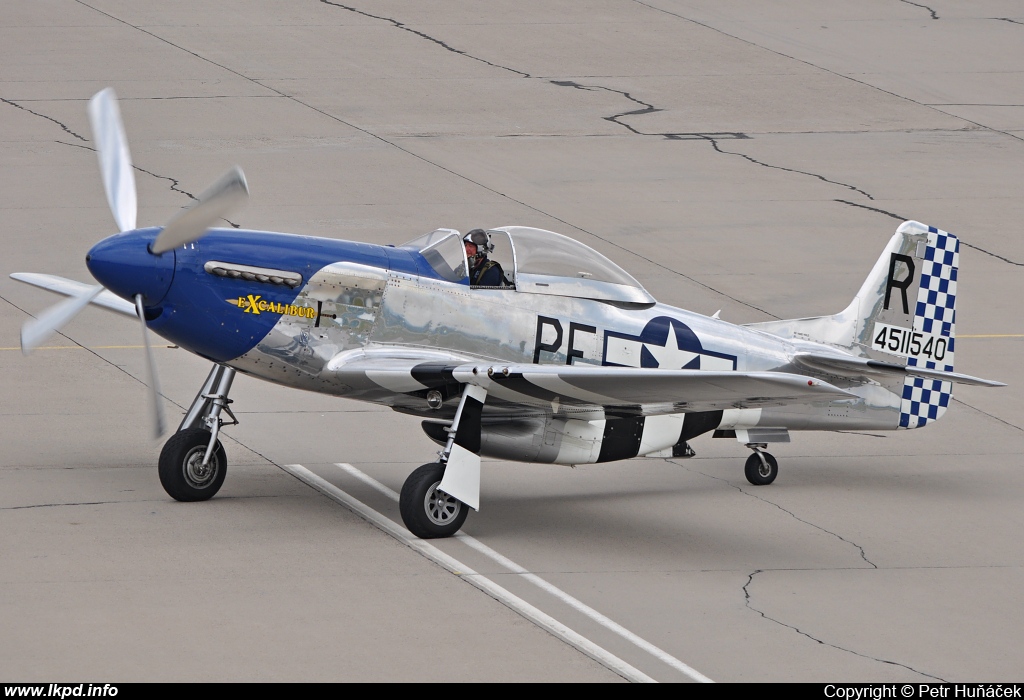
x: 749, y: 159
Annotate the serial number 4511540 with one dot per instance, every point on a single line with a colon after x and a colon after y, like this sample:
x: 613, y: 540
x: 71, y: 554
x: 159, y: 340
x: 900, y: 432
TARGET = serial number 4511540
x: 910, y: 343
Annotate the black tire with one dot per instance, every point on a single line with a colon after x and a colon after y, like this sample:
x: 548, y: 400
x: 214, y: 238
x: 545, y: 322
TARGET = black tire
x: 756, y: 472
x: 427, y: 512
x: 181, y: 472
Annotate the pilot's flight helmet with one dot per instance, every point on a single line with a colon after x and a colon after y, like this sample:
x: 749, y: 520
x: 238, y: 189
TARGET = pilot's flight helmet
x: 481, y: 242
x: 481, y: 239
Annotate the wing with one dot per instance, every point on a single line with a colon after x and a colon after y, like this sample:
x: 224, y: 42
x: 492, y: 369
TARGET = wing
x: 649, y: 391
x: 652, y: 390
x: 849, y: 367
x: 61, y: 285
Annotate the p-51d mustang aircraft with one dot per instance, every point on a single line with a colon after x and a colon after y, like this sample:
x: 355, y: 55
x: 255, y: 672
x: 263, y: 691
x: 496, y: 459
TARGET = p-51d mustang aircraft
x: 569, y: 361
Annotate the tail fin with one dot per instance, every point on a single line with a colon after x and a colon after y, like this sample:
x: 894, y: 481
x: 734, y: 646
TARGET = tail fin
x: 905, y: 313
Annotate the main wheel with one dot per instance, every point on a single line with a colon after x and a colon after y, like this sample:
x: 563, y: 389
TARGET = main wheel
x: 427, y: 512
x: 761, y: 474
x: 182, y: 473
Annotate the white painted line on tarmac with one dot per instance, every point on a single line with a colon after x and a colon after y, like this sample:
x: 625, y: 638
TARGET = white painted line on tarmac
x: 535, y: 615
x: 578, y: 605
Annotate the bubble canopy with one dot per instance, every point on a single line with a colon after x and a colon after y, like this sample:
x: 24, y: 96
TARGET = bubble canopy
x: 549, y: 263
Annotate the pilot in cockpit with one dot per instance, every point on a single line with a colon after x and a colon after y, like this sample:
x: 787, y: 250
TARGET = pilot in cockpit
x: 483, y: 272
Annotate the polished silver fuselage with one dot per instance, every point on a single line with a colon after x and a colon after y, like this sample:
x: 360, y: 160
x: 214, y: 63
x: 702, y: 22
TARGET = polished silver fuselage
x: 363, y: 307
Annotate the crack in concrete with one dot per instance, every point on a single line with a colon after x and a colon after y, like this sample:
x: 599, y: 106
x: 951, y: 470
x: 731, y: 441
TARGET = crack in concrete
x: 1007, y: 19
x: 56, y: 505
x: 823, y: 69
x: 712, y: 138
x: 988, y: 252
x: 986, y: 413
x: 934, y: 14
x: 750, y: 606
x: 714, y: 144
x: 58, y: 123
x: 790, y: 513
x: 646, y: 108
x: 874, y: 209
x: 442, y: 44
x: 174, y: 183
x: 962, y: 242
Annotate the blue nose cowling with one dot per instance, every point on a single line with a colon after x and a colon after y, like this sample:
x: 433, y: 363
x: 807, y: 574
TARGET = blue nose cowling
x: 124, y: 265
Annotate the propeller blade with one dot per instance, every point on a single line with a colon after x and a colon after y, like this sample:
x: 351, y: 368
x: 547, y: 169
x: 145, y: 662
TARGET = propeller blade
x: 115, y: 160
x: 226, y: 195
x: 156, y: 409
x: 36, y: 330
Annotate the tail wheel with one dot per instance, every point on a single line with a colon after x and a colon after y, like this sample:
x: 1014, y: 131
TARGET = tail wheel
x: 761, y: 473
x: 182, y: 473
x: 426, y: 511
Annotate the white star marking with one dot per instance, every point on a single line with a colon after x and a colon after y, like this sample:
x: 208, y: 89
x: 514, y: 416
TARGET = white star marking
x: 670, y: 356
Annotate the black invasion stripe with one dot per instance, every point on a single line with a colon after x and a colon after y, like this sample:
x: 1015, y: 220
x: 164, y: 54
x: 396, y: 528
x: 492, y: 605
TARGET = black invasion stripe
x: 467, y: 435
x: 517, y: 382
x: 698, y: 423
x: 621, y: 440
x: 437, y: 375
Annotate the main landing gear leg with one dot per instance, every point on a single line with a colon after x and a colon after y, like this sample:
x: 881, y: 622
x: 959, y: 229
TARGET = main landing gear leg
x: 436, y: 498
x: 193, y: 463
x: 761, y: 468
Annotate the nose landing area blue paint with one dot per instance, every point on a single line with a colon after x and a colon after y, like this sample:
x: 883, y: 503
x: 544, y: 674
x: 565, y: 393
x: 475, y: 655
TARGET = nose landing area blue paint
x: 222, y: 318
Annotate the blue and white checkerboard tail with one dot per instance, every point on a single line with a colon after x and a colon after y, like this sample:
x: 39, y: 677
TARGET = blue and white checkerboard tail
x: 906, y: 313
x: 925, y: 400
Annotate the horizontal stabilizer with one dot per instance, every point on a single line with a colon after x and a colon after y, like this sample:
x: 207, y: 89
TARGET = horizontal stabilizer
x: 60, y: 285
x: 859, y: 367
